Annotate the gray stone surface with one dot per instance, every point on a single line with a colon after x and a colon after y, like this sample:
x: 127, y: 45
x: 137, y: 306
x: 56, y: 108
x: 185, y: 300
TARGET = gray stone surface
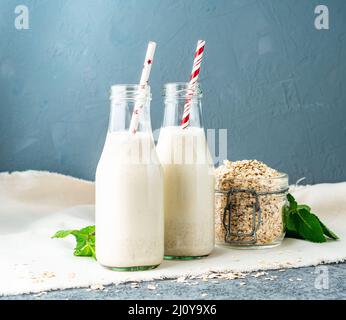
x: 301, y: 283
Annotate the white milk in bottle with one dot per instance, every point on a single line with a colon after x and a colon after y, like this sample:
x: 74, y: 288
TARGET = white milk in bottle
x: 129, y: 190
x: 188, y: 179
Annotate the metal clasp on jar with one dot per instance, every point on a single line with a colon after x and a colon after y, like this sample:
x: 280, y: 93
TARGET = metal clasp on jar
x: 227, y: 218
x: 256, y: 216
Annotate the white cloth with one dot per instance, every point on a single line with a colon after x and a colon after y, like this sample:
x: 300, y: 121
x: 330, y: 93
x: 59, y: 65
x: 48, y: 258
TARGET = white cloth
x: 33, y: 205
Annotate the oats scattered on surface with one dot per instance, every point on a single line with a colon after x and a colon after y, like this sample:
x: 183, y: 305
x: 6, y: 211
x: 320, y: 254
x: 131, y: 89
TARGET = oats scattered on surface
x: 151, y: 287
x: 38, y: 281
x: 40, y: 294
x: 205, y: 278
x: 97, y: 287
x: 299, y: 279
x: 48, y: 274
x: 134, y: 285
x: 234, y: 275
x: 204, y: 294
x: 223, y: 275
x: 71, y: 275
x: 39, y: 278
x: 259, y: 274
x: 181, y: 279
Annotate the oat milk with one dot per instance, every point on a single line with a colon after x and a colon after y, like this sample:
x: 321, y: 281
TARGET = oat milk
x: 189, y: 191
x: 129, y: 202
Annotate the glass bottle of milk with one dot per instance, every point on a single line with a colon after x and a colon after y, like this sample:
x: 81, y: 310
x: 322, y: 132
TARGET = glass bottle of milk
x: 129, y: 188
x: 188, y: 178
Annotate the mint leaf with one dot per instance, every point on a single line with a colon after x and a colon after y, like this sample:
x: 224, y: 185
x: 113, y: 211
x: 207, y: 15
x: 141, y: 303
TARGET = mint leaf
x: 292, y: 202
x: 309, y: 227
x: 301, y: 223
x: 293, y: 234
x: 292, y: 221
x: 303, y: 206
x: 85, y: 240
x: 62, y: 233
x: 87, y: 230
x: 329, y: 233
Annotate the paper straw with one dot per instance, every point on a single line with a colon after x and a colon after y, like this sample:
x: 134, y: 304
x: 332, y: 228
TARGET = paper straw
x: 192, y: 82
x: 137, y: 110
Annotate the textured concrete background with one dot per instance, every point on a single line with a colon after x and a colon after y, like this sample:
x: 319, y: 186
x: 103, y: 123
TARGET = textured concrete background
x: 274, y: 81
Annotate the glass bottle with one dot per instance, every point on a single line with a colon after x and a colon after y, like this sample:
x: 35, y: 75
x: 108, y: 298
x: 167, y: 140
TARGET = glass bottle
x: 129, y: 188
x: 188, y: 177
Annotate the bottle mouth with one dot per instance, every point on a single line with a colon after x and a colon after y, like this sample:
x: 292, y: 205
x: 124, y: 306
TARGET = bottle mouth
x: 130, y: 92
x: 180, y: 90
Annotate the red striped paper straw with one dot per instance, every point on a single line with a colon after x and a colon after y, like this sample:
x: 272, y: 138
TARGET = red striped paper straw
x: 137, y: 110
x: 192, y: 83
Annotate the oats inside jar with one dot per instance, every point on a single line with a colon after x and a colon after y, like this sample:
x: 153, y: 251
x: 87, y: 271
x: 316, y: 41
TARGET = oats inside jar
x: 249, y: 201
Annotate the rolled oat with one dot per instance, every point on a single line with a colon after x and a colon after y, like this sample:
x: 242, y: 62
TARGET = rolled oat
x: 257, y: 194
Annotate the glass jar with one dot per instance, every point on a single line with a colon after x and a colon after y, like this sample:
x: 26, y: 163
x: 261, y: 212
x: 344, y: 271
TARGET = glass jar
x: 249, y: 211
x: 188, y: 177
x: 129, y: 188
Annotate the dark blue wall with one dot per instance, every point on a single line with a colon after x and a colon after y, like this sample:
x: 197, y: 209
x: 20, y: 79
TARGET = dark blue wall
x: 274, y: 81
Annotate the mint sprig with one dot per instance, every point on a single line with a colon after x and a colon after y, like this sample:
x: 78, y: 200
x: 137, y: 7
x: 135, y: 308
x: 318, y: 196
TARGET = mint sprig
x: 85, y: 240
x: 301, y: 223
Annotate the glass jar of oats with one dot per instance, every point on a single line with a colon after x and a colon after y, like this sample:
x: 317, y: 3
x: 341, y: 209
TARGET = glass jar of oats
x: 249, y: 201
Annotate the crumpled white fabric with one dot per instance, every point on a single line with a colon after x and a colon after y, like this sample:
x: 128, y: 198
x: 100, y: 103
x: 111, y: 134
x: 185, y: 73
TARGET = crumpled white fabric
x: 35, y: 204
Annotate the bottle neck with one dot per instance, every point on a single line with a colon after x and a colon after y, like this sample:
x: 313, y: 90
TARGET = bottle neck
x: 177, y: 97
x: 124, y: 99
